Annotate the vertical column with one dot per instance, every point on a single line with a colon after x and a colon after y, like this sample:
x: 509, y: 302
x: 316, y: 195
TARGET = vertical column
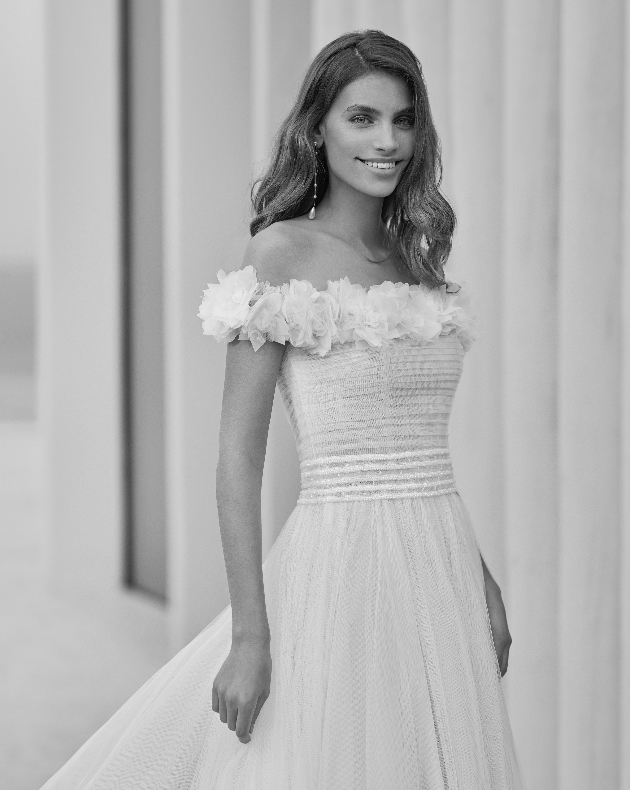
x: 476, y: 179
x: 528, y: 309
x: 625, y: 428
x: 79, y: 299
x: 207, y: 177
x: 281, y: 34
x: 329, y: 19
x: 376, y: 15
x: 589, y: 389
x: 425, y: 28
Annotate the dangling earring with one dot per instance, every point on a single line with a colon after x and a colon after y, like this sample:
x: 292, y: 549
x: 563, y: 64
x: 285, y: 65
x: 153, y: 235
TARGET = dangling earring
x: 311, y: 213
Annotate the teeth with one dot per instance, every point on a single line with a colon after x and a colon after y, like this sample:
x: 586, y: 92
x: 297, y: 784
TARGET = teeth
x: 379, y: 165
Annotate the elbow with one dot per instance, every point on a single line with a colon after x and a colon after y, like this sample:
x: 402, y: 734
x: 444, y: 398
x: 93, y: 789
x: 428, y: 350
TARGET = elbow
x: 232, y: 468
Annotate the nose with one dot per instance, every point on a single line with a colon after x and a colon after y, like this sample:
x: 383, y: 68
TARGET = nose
x: 386, y: 139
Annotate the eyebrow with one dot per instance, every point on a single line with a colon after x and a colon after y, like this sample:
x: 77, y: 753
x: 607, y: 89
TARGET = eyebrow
x: 373, y: 111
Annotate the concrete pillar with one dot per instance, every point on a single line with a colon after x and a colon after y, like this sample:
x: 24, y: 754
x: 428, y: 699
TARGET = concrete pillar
x: 528, y: 312
x: 425, y: 28
x: 625, y: 429
x: 589, y: 324
x: 207, y: 147
x: 475, y: 165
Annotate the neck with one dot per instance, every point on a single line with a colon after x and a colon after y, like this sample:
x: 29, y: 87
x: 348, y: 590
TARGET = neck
x: 352, y: 215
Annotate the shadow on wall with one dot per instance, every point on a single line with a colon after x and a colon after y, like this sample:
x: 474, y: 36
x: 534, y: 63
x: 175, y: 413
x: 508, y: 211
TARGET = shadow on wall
x: 17, y: 340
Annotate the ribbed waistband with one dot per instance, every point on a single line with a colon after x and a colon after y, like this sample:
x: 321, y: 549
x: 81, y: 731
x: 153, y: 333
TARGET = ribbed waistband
x: 414, y: 473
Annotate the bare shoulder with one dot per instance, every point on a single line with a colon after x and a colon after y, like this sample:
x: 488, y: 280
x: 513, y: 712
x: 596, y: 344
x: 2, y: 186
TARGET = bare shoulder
x: 280, y: 253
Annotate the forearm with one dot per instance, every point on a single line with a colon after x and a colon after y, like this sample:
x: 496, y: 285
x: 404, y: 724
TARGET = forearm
x: 238, y: 501
x: 488, y: 577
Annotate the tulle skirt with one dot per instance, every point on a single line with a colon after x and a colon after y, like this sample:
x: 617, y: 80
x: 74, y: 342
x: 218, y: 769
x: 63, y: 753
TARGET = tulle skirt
x: 384, y: 671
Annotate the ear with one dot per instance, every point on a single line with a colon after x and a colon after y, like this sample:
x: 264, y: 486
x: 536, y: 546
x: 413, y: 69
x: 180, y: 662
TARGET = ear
x: 318, y: 137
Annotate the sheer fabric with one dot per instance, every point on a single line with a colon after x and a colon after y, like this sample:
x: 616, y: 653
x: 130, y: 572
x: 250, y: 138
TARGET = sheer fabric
x: 384, y: 674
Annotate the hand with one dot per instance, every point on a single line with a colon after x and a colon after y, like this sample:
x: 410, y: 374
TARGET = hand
x: 498, y: 622
x: 241, y: 686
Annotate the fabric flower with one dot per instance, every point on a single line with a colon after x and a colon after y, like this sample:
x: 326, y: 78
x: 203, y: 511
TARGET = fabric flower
x: 347, y: 297
x: 345, y: 312
x: 450, y: 311
x: 324, y: 323
x: 370, y: 322
x: 225, y: 306
x: 298, y: 309
x: 310, y: 316
x: 421, y: 315
x: 265, y: 320
x: 457, y: 309
x: 390, y: 299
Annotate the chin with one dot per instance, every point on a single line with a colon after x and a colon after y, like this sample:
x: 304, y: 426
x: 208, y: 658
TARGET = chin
x: 379, y: 191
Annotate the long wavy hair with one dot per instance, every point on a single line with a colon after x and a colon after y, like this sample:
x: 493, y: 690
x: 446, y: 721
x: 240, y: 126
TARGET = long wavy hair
x: 418, y: 219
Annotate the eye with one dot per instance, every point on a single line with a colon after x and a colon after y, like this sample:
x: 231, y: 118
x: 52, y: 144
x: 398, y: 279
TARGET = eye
x: 406, y: 121
x: 360, y: 120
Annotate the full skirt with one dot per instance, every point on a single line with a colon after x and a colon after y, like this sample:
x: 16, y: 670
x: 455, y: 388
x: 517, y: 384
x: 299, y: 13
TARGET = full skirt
x: 384, y: 677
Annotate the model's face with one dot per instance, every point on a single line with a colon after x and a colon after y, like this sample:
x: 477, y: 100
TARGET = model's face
x: 368, y: 134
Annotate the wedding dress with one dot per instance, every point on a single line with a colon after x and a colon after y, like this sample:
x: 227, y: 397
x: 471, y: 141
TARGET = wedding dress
x: 385, y: 675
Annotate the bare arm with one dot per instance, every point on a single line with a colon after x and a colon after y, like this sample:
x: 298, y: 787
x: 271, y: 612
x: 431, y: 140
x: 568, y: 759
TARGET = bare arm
x: 250, y: 381
x: 498, y: 619
x: 242, y: 684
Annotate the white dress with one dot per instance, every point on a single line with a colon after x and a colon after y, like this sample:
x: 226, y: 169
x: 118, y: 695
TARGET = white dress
x: 384, y: 672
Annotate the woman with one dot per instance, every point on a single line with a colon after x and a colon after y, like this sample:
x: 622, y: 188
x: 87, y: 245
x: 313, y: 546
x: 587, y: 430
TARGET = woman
x: 367, y: 651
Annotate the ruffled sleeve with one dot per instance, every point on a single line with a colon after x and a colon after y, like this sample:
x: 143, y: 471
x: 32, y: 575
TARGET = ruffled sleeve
x: 296, y: 312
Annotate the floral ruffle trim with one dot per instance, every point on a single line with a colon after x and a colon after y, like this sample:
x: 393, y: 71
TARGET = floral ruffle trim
x: 241, y: 306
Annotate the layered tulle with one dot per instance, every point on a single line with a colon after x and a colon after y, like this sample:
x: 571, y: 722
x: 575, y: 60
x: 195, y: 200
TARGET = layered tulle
x: 384, y: 670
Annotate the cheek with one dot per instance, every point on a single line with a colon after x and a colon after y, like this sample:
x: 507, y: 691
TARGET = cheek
x: 408, y: 144
x: 342, y: 144
x: 341, y: 153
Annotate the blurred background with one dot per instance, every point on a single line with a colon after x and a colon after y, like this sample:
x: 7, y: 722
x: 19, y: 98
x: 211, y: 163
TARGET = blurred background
x: 130, y: 131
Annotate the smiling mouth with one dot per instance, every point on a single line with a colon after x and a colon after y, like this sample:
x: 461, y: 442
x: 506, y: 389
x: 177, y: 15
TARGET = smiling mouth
x: 376, y: 165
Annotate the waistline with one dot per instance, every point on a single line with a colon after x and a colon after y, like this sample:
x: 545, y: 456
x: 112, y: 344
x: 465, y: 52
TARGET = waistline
x: 413, y: 473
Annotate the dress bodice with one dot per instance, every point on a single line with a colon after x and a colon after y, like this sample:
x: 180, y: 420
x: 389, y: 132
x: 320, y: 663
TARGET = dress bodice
x: 372, y: 423
x: 367, y: 379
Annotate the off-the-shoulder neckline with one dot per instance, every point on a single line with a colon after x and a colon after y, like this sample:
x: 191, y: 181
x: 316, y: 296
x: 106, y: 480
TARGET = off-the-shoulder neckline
x: 365, y: 288
x: 240, y: 305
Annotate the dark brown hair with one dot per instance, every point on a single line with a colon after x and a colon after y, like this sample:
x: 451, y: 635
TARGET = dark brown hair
x: 419, y: 220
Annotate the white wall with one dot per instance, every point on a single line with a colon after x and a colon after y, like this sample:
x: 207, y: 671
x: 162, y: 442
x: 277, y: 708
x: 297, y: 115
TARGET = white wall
x: 79, y: 312
x: 590, y: 365
x: 20, y: 202
x: 529, y: 349
x: 20, y: 120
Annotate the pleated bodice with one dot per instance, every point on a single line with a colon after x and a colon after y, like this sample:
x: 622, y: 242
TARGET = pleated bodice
x: 373, y: 423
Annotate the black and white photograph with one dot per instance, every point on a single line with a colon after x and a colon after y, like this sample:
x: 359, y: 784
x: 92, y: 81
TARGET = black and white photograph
x: 314, y: 395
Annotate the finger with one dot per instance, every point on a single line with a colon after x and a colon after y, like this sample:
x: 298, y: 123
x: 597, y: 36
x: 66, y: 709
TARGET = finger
x: 232, y: 712
x: 222, y: 709
x: 259, y: 704
x: 243, y: 723
x: 215, y: 700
